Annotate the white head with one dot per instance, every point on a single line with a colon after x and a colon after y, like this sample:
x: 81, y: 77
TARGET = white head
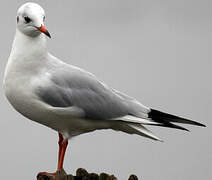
x: 30, y: 20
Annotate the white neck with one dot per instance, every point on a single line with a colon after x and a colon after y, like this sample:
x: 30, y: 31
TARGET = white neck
x: 27, y: 45
x: 27, y: 55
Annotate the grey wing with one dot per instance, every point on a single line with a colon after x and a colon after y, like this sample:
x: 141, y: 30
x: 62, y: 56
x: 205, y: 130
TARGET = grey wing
x: 79, y: 94
x: 71, y: 86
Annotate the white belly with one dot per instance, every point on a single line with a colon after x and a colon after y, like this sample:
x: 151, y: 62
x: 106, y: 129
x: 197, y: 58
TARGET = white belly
x: 28, y: 104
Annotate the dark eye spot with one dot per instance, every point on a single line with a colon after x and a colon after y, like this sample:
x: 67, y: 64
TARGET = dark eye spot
x: 44, y: 18
x: 27, y: 19
x: 17, y: 19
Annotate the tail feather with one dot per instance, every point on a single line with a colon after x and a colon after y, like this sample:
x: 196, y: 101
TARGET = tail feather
x: 133, y: 124
x: 133, y: 128
x: 143, y: 131
x: 166, y: 120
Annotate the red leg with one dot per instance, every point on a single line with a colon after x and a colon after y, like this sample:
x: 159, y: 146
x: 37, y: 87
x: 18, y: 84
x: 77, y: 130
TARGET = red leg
x: 62, y: 155
x: 62, y: 148
x: 60, y: 142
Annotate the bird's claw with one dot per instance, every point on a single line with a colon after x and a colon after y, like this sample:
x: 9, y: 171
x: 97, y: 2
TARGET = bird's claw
x: 45, y: 175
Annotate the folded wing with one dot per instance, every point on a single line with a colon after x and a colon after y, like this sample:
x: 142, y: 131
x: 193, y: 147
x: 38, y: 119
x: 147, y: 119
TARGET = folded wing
x: 69, y: 87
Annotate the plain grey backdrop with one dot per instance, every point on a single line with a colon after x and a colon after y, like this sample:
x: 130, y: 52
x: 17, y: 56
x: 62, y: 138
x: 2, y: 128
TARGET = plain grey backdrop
x: 158, y: 51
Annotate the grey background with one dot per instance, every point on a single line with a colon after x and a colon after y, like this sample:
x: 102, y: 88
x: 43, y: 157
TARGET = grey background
x: 158, y: 51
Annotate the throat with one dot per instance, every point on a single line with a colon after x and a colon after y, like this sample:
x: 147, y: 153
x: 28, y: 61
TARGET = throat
x: 26, y: 45
x: 27, y: 56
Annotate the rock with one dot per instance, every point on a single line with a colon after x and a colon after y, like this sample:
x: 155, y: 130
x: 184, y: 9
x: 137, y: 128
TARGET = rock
x: 81, y: 174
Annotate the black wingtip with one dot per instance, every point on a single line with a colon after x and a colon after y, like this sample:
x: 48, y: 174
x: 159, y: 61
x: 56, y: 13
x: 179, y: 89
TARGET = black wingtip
x: 200, y: 124
x: 162, y: 117
x: 177, y: 127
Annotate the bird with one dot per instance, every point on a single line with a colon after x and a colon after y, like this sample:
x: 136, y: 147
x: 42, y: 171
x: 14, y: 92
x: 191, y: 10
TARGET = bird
x: 66, y: 98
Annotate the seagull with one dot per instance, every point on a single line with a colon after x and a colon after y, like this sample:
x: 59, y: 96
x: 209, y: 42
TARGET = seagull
x: 66, y: 98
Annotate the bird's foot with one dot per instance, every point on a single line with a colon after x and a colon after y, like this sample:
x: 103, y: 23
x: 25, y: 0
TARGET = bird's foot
x: 45, y: 175
x: 50, y: 176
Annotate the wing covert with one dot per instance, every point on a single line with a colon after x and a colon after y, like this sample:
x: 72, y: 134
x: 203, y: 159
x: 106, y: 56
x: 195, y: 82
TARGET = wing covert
x: 75, y: 87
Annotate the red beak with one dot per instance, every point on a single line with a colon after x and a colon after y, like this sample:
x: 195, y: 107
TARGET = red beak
x: 44, y: 30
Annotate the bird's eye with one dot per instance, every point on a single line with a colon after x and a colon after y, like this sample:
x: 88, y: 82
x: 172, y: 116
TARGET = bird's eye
x: 44, y: 18
x: 27, y: 19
